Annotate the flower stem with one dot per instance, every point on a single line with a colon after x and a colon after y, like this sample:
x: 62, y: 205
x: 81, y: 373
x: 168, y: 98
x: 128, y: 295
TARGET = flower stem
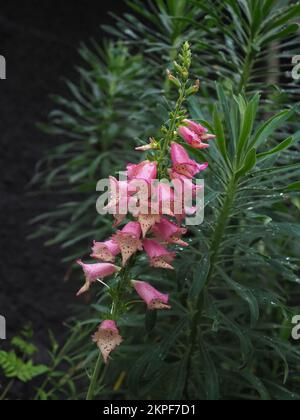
x: 94, y: 380
x: 173, y: 126
x: 115, y: 313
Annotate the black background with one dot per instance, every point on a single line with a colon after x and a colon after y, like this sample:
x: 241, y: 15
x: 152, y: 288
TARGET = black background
x: 39, y: 40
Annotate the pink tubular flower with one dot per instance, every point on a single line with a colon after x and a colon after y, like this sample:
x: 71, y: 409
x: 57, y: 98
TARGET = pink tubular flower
x: 105, y: 251
x: 120, y: 192
x: 107, y: 338
x: 169, y: 232
x: 196, y: 128
x: 186, y: 184
x: 194, y: 134
x: 147, y: 221
x: 95, y: 271
x: 117, y: 191
x: 163, y: 198
x: 146, y: 171
x: 182, y: 164
x: 159, y: 256
x: 153, y: 298
x: 128, y: 240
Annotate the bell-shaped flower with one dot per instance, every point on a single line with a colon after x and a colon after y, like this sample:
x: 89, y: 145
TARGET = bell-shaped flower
x: 153, y: 298
x: 93, y: 272
x: 146, y: 171
x: 119, y: 195
x: 129, y: 240
x: 107, y: 338
x: 105, y: 251
x: 162, y: 199
x: 182, y: 184
x: 183, y: 164
x: 147, y: 221
x: 195, y: 134
x: 170, y: 233
x: 159, y: 256
x: 196, y: 128
x: 117, y: 191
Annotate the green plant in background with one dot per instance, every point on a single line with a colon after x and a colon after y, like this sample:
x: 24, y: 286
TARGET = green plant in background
x: 246, y: 43
x: 99, y: 125
x: 164, y: 26
x: 236, y: 288
x: 17, y: 364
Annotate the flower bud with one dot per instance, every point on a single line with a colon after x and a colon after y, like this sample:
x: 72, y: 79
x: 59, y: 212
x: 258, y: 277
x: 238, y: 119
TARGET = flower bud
x: 173, y: 79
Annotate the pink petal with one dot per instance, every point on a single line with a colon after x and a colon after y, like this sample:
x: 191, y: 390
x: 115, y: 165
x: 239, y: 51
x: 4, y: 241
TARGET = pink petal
x: 146, y: 171
x: 160, y: 257
x: 133, y: 229
x: 128, y: 240
x: 197, y: 128
x: 107, y: 338
x: 95, y: 271
x: 147, y: 221
x: 109, y: 325
x: 194, y: 134
x: 188, y: 135
x: 153, y: 298
x: 163, y: 197
x: 178, y: 154
x: 170, y: 232
x: 182, y: 162
x: 105, y: 251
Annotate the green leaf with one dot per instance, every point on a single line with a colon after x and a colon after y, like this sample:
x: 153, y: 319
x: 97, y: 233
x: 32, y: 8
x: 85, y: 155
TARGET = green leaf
x: 200, y: 277
x: 257, y: 384
x: 282, y: 146
x: 291, y: 12
x: 281, y: 393
x: 289, y: 30
x: 245, y: 341
x: 178, y: 382
x: 248, y: 122
x: 211, y: 378
x: 246, y: 294
x: 268, y: 128
x: 15, y: 368
x: 219, y: 132
x: 150, y: 320
x: 150, y: 363
x: 27, y: 349
x: 295, y: 186
x: 249, y: 164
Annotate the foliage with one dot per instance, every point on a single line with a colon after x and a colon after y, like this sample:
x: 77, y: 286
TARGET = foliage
x: 101, y: 123
x: 246, y: 43
x: 236, y: 288
x: 17, y: 363
x: 15, y: 367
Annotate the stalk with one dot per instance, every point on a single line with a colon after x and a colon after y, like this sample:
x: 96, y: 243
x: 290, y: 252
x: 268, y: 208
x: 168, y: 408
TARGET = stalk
x: 94, y: 379
x: 115, y: 313
x: 182, y: 82
x: 247, y: 70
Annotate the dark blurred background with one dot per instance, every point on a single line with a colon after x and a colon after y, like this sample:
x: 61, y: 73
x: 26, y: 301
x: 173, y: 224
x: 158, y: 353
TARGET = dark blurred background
x: 39, y: 40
